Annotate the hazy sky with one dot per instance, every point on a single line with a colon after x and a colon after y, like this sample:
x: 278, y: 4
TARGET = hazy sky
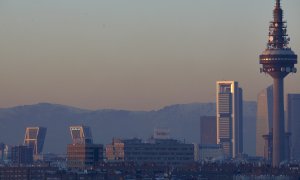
x: 134, y: 54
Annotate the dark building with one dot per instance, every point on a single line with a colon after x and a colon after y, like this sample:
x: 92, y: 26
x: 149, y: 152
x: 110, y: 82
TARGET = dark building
x: 293, y: 114
x: 2, y: 147
x: 22, y: 154
x: 278, y: 61
x: 27, y: 173
x: 162, y: 152
x: 208, y: 130
x: 268, y: 146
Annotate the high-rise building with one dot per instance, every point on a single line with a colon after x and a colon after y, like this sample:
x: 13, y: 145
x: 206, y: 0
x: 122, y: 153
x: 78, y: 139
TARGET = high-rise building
x: 35, y: 137
x: 230, y: 117
x: 293, y: 114
x: 82, y: 153
x: 264, y: 118
x: 278, y: 61
x: 208, y: 130
x: 264, y: 126
x: 81, y: 135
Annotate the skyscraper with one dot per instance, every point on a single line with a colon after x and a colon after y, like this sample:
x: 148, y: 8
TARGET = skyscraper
x: 35, y: 137
x: 82, y: 153
x: 230, y: 117
x: 278, y: 61
x: 81, y: 135
x: 264, y: 119
x: 293, y: 114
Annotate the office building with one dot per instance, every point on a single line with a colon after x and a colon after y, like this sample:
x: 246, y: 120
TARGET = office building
x: 82, y: 153
x: 22, y: 154
x: 115, y: 150
x: 162, y: 152
x: 264, y: 119
x: 208, y: 130
x: 230, y: 117
x: 81, y: 135
x: 35, y: 138
x: 264, y: 127
x: 278, y: 60
x: 293, y: 114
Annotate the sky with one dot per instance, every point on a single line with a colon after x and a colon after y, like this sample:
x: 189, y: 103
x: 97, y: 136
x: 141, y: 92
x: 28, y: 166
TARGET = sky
x: 135, y: 54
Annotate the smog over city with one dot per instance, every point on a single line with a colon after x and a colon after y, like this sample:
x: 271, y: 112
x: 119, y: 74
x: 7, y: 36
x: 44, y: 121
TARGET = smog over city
x: 149, y: 85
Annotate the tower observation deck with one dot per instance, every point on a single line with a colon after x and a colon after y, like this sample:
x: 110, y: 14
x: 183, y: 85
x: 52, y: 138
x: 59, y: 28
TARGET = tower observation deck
x: 278, y: 61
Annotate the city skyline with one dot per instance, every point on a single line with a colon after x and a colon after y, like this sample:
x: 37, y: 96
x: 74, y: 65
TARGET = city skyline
x: 135, y: 56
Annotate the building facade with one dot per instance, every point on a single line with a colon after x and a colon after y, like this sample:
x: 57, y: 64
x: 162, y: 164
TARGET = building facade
x: 264, y: 118
x: 208, y: 130
x: 22, y: 155
x: 115, y: 150
x: 230, y: 117
x: 162, y: 152
x: 293, y: 116
x: 82, y: 153
x: 35, y: 138
x: 81, y: 134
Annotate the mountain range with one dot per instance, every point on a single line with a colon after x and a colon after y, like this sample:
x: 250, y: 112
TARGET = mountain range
x: 183, y: 120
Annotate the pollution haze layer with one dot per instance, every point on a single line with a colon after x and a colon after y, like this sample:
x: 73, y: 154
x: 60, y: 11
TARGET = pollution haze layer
x: 135, y: 55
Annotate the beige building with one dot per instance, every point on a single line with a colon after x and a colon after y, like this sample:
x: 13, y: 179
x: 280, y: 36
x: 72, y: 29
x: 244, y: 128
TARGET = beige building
x: 230, y: 117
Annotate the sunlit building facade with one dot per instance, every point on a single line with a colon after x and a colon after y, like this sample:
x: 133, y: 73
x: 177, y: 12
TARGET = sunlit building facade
x: 230, y: 117
x: 35, y: 138
x: 81, y: 134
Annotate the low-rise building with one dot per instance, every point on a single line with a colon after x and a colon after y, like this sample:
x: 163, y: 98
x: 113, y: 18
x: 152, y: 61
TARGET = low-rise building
x: 22, y: 154
x: 164, y: 152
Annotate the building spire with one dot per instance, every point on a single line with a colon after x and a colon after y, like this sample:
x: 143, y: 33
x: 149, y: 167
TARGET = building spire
x: 278, y: 13
x: 277, y: 3
x: 278, y: 38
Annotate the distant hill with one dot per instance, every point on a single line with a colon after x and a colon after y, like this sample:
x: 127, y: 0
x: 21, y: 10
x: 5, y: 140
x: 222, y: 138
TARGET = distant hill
x: 181, y: 119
